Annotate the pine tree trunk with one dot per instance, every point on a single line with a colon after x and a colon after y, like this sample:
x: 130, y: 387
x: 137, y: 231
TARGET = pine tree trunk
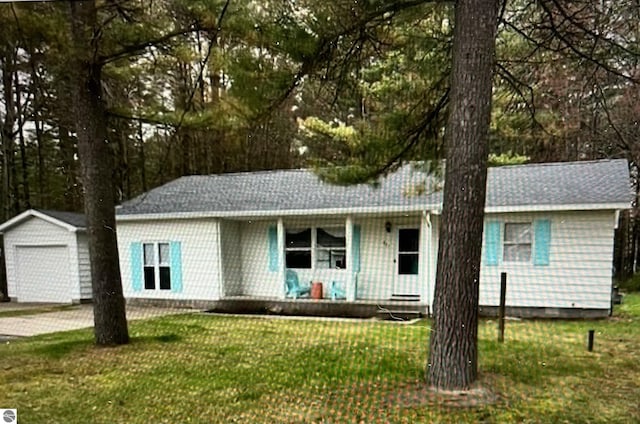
x: 453, y: 355
x: 4, y: 291
x: 23, y: 148
x: 10, y: 175
x: 96, y: 160
x: 143, y: 161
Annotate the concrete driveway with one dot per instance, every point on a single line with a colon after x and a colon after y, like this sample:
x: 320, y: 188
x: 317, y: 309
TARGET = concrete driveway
x: 80, y: 316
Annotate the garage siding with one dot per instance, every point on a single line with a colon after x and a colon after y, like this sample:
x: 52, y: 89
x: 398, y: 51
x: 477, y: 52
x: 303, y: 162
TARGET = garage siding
x: 33, y: 232
x: 84, y: 267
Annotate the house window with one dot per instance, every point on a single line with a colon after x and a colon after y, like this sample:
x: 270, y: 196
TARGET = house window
x: 320, y: 248
x: 517, y: 242
x: 298, y: 248
x: 331, y: 245
x: 157, y: 268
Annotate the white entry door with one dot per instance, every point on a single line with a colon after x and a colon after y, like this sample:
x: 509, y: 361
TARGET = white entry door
x: 407, y: 262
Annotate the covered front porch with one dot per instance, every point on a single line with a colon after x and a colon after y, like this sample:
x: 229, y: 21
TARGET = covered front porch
x: 395, y: 310
x: 364, y: 263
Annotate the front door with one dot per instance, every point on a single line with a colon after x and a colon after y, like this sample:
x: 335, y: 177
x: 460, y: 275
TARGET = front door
x: 407, y: 262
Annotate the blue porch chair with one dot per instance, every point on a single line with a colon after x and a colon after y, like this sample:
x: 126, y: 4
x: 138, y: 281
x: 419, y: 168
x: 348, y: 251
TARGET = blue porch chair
x: 337, y: 292
x: 293, y: 287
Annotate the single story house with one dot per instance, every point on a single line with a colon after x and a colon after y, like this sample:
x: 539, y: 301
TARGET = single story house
x: 208, y: 240
x: 47, y: 257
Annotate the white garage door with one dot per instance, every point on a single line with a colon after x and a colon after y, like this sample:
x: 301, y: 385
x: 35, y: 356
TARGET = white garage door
x: 43, y: 274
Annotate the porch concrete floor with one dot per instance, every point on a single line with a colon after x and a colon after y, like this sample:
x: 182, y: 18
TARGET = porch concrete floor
x: 361, y: 308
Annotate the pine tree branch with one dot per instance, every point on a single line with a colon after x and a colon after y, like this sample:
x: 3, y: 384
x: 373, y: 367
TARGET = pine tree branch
x: 326, y: 45
x: 135, y: 49
x: 413, y: 137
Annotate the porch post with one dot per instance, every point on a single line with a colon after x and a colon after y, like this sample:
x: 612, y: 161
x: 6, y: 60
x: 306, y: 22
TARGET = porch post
x: 425, y: 257
x: 281, y: 257
x: 349, y: 283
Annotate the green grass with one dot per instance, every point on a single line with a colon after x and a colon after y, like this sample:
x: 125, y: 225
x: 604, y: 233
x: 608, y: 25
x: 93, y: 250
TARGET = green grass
x: 216, y: 369
x: 36, y: 310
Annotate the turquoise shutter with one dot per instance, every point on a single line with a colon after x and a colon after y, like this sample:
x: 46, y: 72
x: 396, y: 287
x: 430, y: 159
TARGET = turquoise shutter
x: 355, y: 248
x: 136, y: 266
x: 542, y: 234
x: 492, y: 243
x: 175, y: 253
x: 273, y: 248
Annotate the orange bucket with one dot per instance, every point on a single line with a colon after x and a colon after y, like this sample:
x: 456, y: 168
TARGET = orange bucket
x: 316, y: 290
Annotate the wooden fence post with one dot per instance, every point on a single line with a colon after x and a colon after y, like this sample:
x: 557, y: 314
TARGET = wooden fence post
x: 501, y: 308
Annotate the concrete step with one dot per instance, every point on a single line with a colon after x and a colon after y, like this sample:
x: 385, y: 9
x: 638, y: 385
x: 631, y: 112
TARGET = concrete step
x: 406, y: 297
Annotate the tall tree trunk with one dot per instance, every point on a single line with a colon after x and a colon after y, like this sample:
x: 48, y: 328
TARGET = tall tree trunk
x: 39, y: 100
x: 11, y: 205
x: 23, y: 149
x: 42, y: 187
x: 69, y: 168
x: 453, y: 355
x: 96, y: 161
x: 143, y: 161
x: 4, y: 292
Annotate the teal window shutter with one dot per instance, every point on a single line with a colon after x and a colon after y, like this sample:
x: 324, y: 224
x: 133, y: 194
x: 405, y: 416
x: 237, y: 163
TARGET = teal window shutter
x: 542, y: 234
x: 273, y: 248
x: 492, y: 243
x: 136, y: 266
x: 355, y: 248
x: 175, y: 252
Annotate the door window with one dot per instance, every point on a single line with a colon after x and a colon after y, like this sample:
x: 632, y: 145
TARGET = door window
x: 408, y: 251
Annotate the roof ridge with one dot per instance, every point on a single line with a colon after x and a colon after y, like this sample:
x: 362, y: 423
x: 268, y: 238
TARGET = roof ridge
x: 262, y: 171
x: 562, y: 163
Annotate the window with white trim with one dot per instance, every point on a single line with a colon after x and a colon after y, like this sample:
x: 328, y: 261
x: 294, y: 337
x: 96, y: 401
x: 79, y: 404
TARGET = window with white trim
x: 157, y: 266
x: 316, y: 247
x: 331, y: 248
x: 517, y: 244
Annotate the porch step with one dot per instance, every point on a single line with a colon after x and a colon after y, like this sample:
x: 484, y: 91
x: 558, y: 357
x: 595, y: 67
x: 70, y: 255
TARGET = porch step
x: 406, y: 297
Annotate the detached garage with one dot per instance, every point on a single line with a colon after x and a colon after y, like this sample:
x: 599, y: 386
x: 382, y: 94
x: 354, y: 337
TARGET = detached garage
x: 47, y: 257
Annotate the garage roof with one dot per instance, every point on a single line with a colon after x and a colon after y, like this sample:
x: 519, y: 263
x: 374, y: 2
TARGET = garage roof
x: 69, y: 220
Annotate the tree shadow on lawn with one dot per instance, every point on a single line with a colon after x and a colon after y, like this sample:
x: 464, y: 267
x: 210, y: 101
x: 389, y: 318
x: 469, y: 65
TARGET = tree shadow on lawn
x: 60, y: 349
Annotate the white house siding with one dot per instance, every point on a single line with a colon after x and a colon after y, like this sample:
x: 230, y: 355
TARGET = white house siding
x: 199, y: 240
x: 84, y: 267
x: 580, y: 264
x: 38, y: 232
x: 257, y: 280
x: 231, y: 258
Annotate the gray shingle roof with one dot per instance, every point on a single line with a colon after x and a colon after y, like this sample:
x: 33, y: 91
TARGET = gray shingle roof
x: 77, y: 220
x: 568, y: 183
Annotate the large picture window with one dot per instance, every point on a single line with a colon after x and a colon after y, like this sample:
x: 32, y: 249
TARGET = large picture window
x: 157, y: 266
x: 321, y: 248
x: 517, y: 242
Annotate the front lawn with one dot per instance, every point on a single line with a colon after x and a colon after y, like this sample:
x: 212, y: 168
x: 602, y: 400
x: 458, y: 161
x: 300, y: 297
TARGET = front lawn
x: 201, y: 368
